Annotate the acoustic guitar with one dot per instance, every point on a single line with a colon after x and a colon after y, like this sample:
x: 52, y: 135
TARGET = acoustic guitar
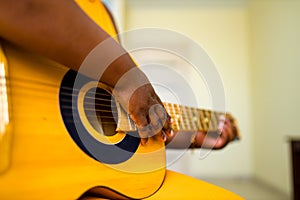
x: 62, y: 134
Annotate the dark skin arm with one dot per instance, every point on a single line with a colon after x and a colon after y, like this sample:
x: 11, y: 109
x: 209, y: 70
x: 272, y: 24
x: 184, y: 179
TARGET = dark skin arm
x: 36, y: 25
x: 61, y: 31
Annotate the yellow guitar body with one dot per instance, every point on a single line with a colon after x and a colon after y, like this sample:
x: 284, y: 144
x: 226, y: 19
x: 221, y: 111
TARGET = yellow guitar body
x: 44, y: 160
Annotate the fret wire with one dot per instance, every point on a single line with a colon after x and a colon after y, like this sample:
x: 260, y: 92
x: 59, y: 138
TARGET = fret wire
x: 202, y: 118
x: 181, y: 122
x: 189, y: 121
x: 181, y: 115
x: 208, y: 119
x: 176, y: 117
x: 211, y: 125
x: 195, y: 118
x: 212, y: 121
x: 216, y: 120
x: 199, y: 124
x: 185, y: 116
x: 191, y: 114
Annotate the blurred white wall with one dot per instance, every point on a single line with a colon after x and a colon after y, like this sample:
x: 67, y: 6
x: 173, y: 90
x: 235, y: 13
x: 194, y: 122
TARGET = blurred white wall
x: 275, y: 28
x: 255, y: 47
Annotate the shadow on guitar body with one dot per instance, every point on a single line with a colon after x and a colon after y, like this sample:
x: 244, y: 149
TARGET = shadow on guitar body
x: 98, y: 193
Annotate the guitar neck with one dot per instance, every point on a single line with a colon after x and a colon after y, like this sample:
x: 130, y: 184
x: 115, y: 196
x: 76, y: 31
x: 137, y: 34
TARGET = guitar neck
x: 193, y: 119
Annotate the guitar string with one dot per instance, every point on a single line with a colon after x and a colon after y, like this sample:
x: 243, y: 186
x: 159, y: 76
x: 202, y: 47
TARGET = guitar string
x: 184, y: 120
x: 178, y: 127
x: 183, y: 117
x: 112, y: 106
x: 181, y: 127
x: 103, y: 94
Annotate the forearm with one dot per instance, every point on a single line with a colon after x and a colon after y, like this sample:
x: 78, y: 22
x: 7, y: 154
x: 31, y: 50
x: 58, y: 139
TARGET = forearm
x: 184, y: 140
x: 59, y: 30
x: 37, y: 25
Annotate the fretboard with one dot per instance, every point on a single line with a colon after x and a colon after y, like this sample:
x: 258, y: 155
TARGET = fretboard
x: 193, y: 119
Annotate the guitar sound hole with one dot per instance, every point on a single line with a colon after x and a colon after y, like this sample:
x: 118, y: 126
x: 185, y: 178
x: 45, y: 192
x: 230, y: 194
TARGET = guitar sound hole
x: 101, y: 111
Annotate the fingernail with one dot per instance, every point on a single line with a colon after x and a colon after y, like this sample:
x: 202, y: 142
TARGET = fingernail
x: 164, y: 137
x: 171, y: 133
x: 144, y: 141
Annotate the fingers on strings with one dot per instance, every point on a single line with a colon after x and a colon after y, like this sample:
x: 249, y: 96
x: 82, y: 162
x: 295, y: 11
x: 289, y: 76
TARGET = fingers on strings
x: 157, y: 123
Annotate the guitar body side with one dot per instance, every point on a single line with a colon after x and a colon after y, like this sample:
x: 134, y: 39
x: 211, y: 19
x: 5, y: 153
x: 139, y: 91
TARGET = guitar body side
x: 45, y: 162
